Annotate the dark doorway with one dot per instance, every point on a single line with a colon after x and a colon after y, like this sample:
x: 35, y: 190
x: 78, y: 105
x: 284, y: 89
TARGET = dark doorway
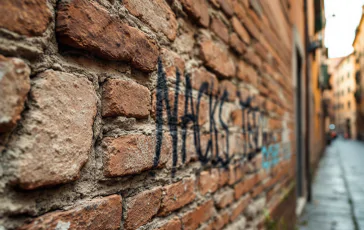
x: 348, y: 127
x: 299, y: 125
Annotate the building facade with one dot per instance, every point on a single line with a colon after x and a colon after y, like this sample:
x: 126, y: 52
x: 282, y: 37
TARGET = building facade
x: 358, y: 46
x: 344, y: 86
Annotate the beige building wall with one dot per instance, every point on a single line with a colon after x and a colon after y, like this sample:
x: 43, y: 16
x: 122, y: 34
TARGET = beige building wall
x: 358, y: 45
x: 343, y: 96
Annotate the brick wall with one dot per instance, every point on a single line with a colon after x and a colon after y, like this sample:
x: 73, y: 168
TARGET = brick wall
x: 153, y: 114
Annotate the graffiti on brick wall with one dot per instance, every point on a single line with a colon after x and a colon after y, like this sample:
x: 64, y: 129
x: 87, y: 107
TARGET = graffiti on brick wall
x: 270, y: 151
x: 253, y: 121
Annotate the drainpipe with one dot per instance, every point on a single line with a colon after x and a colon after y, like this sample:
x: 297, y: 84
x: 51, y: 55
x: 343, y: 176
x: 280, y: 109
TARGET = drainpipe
x: 307, y: 78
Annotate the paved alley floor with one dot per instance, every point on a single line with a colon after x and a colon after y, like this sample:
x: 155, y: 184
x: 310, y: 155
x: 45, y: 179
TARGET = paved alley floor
x: 338, y: 190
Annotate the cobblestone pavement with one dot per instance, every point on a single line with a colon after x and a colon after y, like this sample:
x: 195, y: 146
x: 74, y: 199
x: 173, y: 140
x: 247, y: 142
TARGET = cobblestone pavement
x: 338, y: 190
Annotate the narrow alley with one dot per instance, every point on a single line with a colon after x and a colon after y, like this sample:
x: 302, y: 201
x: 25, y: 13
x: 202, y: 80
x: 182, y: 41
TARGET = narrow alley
x: 338, y: 188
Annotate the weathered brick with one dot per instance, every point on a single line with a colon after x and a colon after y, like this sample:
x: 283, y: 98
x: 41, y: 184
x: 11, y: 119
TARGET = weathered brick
x: 252, y: 58
x: 238, y: 207
x: 240, y: 30
x: 223, y: 177
x: 171, y: 97
x: 125, y: 98
x: 155, y: 13
x: 215, y: 3
x: 236, y: 172
x: 198, y: 9
x: 200, y: 76
x: 251, y: 27
x: 237, y: 44
x: 245, y: 186
x: 228, y: 87
x: 246, y: 73
x: 192, y: 219
x: 14, y: 87
x: 227, y: 6
x: 52, y: 149
x: 258, y: 190
x: 220, y: 220
x: 99, y: 213
x: 177, y: 195
x: 142, y: 207
x: 30, y: 18
x: 220, y: 29
x: 109, y: 38
x: 171, y: 62
x: 239, y: 224
x: 239, y: 9
x: 172, y: 224
x: 208, y: 181
x: 214, y: 55
x: 224, y: 198
x: 133, y: 153
x: 203, y: 107
x: 237, y: 117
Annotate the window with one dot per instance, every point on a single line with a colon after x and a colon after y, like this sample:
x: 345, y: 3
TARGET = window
x: 349, y: 104
x: 349, y: 75
x: 349, y: 90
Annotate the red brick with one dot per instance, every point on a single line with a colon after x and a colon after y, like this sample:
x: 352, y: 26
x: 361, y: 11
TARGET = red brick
x: 215, y: 3
x: 229, y: 87
x: 236, y: 172
x: 99, y: 213
x: 109, y: 38
x: 203, y: 107
x: 224, y: 198
x: 227, y: 6
x: 240, y: 30
x: 171, y: 62
x: 53, y: 150
x: 261, y: 51
x: 192, y: 219
x: 237, y: 44
x: 14, y: 87
x: 237, y: 117
x: 244, y: 71
x: 238, y: 224
x: 142, y: 207
x: 251, y: 27
x: 171, y: 96
x: 252, y: 58
x: 155, y: 13
x: 232, y: 177
x: 223, y: 177
x: 30, y: 18
x: 125, y: 98
x: 208, y: 181
x: 258, y: 190
x: 200, y: 76
x: 177, y: 195
x: 198, y: 9
x: 239, y: 207
x: 132, y: 154
x: 220, y: 29
x: 213, y: 55
x: 220, y: 220
x: 172, y: 224
x: 245, y: 186
x: 239, y: 9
